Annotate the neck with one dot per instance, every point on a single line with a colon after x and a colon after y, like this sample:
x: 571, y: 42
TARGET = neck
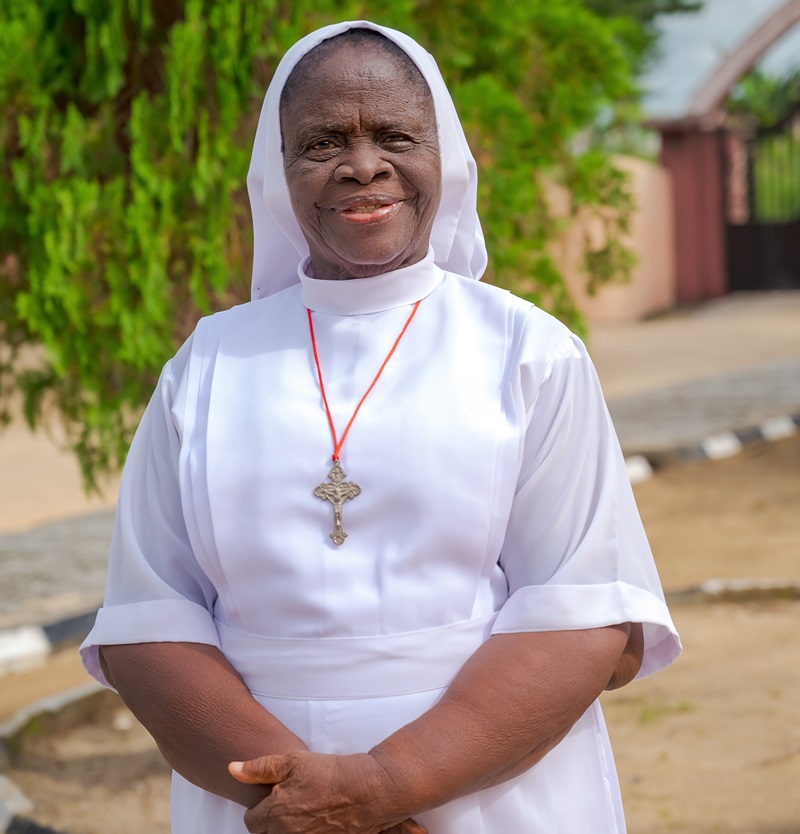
x: 384, y: 291
x: 324, y: 270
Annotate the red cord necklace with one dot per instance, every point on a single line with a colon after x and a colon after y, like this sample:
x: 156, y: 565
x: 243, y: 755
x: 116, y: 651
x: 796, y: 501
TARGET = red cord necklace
x: 339, y: 490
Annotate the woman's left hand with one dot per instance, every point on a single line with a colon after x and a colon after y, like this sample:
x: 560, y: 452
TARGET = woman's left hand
x: 315, y: 793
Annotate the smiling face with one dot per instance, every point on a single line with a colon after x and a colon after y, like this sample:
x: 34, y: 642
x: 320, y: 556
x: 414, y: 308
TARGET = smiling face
x: 361, y: 159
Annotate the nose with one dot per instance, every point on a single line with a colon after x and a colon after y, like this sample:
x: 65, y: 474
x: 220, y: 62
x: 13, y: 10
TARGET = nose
x: 364, y: 164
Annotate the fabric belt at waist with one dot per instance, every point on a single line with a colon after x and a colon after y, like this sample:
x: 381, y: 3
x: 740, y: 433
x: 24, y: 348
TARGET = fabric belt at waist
x: 353, y: 667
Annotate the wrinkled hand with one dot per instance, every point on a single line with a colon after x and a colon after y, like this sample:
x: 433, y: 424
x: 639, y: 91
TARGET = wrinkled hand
x: 407, y: 827
x: 316, y: 793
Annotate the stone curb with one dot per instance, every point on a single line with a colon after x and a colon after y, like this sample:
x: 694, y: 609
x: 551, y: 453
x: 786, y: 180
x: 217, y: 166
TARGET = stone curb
x: 735, y: 590
x: 26, y: 646
x: 643, y: 465
x: 13, y: 804
x: 25, y: 825
x: 45, y: 716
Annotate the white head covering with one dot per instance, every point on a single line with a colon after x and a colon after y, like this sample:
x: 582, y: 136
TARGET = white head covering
x: 279, y: 245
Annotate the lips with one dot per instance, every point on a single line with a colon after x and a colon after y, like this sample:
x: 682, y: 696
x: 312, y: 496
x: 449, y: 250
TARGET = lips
x: 365, y: 209
x: 362, y: 210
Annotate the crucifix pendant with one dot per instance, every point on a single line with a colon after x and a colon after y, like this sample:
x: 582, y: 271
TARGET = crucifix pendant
x: 337, y: 492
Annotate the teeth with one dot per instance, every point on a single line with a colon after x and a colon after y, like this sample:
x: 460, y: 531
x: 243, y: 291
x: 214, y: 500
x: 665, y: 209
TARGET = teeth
x: 365, y: 209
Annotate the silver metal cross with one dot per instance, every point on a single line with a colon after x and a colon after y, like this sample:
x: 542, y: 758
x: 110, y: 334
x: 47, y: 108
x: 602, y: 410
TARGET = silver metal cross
x: 337, y: 492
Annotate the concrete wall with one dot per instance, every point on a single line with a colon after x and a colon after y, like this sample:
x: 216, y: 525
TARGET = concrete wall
x: 653, y: 284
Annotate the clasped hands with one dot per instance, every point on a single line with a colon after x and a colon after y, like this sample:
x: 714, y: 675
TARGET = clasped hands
x: 316, y: 793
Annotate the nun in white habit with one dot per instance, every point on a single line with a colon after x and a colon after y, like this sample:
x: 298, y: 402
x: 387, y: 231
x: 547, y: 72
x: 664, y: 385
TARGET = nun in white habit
x: 391, y: 612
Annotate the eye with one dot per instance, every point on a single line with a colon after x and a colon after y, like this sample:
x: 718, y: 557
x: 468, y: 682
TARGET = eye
x: 323, y: 145
x: 396, y: 138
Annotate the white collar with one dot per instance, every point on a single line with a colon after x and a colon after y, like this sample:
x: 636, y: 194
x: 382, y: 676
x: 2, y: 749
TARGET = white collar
x: 358, y: 296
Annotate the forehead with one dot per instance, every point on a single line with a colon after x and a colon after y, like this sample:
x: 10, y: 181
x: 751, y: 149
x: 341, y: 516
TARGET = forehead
x: 353, y: 82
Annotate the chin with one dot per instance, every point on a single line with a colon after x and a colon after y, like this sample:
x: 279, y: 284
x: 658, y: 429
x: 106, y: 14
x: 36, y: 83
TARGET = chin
x: 373, y: 267
x: 375, y: 260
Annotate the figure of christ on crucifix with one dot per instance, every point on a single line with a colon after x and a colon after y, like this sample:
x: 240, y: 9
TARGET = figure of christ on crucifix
x: 337, y: 493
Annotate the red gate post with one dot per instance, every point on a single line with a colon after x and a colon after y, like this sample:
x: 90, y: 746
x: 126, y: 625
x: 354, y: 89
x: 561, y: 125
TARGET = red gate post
x: 694, y: 158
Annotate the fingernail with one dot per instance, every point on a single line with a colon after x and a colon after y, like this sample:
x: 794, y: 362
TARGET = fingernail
x: 235, y: 767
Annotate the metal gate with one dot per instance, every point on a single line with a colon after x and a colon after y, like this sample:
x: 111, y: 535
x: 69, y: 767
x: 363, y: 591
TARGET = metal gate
x: 763, y: 207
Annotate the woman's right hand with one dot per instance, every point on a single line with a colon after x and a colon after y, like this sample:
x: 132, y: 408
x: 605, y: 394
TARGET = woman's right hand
x: 408, y: 827
x: 315, y: 793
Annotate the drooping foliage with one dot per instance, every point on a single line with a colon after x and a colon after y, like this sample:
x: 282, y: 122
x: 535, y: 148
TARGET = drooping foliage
x: 640, y: 35
x: 125, y: 133
x: 764, y: 109
x: 764, y: 99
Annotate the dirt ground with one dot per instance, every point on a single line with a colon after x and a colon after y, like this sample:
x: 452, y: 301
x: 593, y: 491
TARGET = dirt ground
x: 710, y: 745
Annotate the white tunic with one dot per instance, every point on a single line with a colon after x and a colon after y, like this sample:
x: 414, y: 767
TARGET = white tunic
x: 494, y: 499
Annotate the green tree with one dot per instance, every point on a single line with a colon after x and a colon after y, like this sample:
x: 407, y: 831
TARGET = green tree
x: 639, y: 32
x: 761, y: 107
x: 125, y: 134
x: 762, y: 99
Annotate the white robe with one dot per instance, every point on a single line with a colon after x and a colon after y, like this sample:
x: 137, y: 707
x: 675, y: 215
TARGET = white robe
x: 494, y: 499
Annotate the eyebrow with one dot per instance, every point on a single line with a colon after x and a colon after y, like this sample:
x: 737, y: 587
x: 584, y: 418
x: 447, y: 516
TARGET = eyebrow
x: 323, y: 127
x: 305, y: 127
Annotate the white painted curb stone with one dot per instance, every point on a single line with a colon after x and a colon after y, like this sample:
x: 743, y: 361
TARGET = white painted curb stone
x: 639, y: 469
x: 13, y: 803
x: 723, y: 445
x: 24, y: 647
x: 777, y: 428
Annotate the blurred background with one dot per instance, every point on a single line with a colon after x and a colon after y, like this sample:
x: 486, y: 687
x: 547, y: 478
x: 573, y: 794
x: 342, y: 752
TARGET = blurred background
x: 639, y: 178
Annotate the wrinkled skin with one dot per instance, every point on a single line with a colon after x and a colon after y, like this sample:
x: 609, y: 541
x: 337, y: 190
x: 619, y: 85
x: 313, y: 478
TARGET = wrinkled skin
x: 361, y: 137
x: 320, y: 794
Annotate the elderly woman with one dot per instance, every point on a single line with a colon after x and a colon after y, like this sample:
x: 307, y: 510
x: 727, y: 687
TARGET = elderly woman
x: 376, y: 554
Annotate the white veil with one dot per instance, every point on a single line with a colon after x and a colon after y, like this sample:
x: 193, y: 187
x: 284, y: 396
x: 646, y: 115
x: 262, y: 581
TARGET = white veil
x: 279, y: 245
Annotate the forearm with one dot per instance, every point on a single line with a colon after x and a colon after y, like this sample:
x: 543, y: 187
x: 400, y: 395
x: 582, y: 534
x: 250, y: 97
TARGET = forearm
x: 513, y: 701
x: 199, y: 711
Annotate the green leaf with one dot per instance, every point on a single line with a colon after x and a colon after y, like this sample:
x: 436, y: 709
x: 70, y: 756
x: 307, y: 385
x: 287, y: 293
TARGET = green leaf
x: 125, y: 137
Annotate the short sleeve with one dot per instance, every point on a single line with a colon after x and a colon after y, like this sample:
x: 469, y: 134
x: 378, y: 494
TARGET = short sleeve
x: 155, y: 591
x: 575, y: 553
